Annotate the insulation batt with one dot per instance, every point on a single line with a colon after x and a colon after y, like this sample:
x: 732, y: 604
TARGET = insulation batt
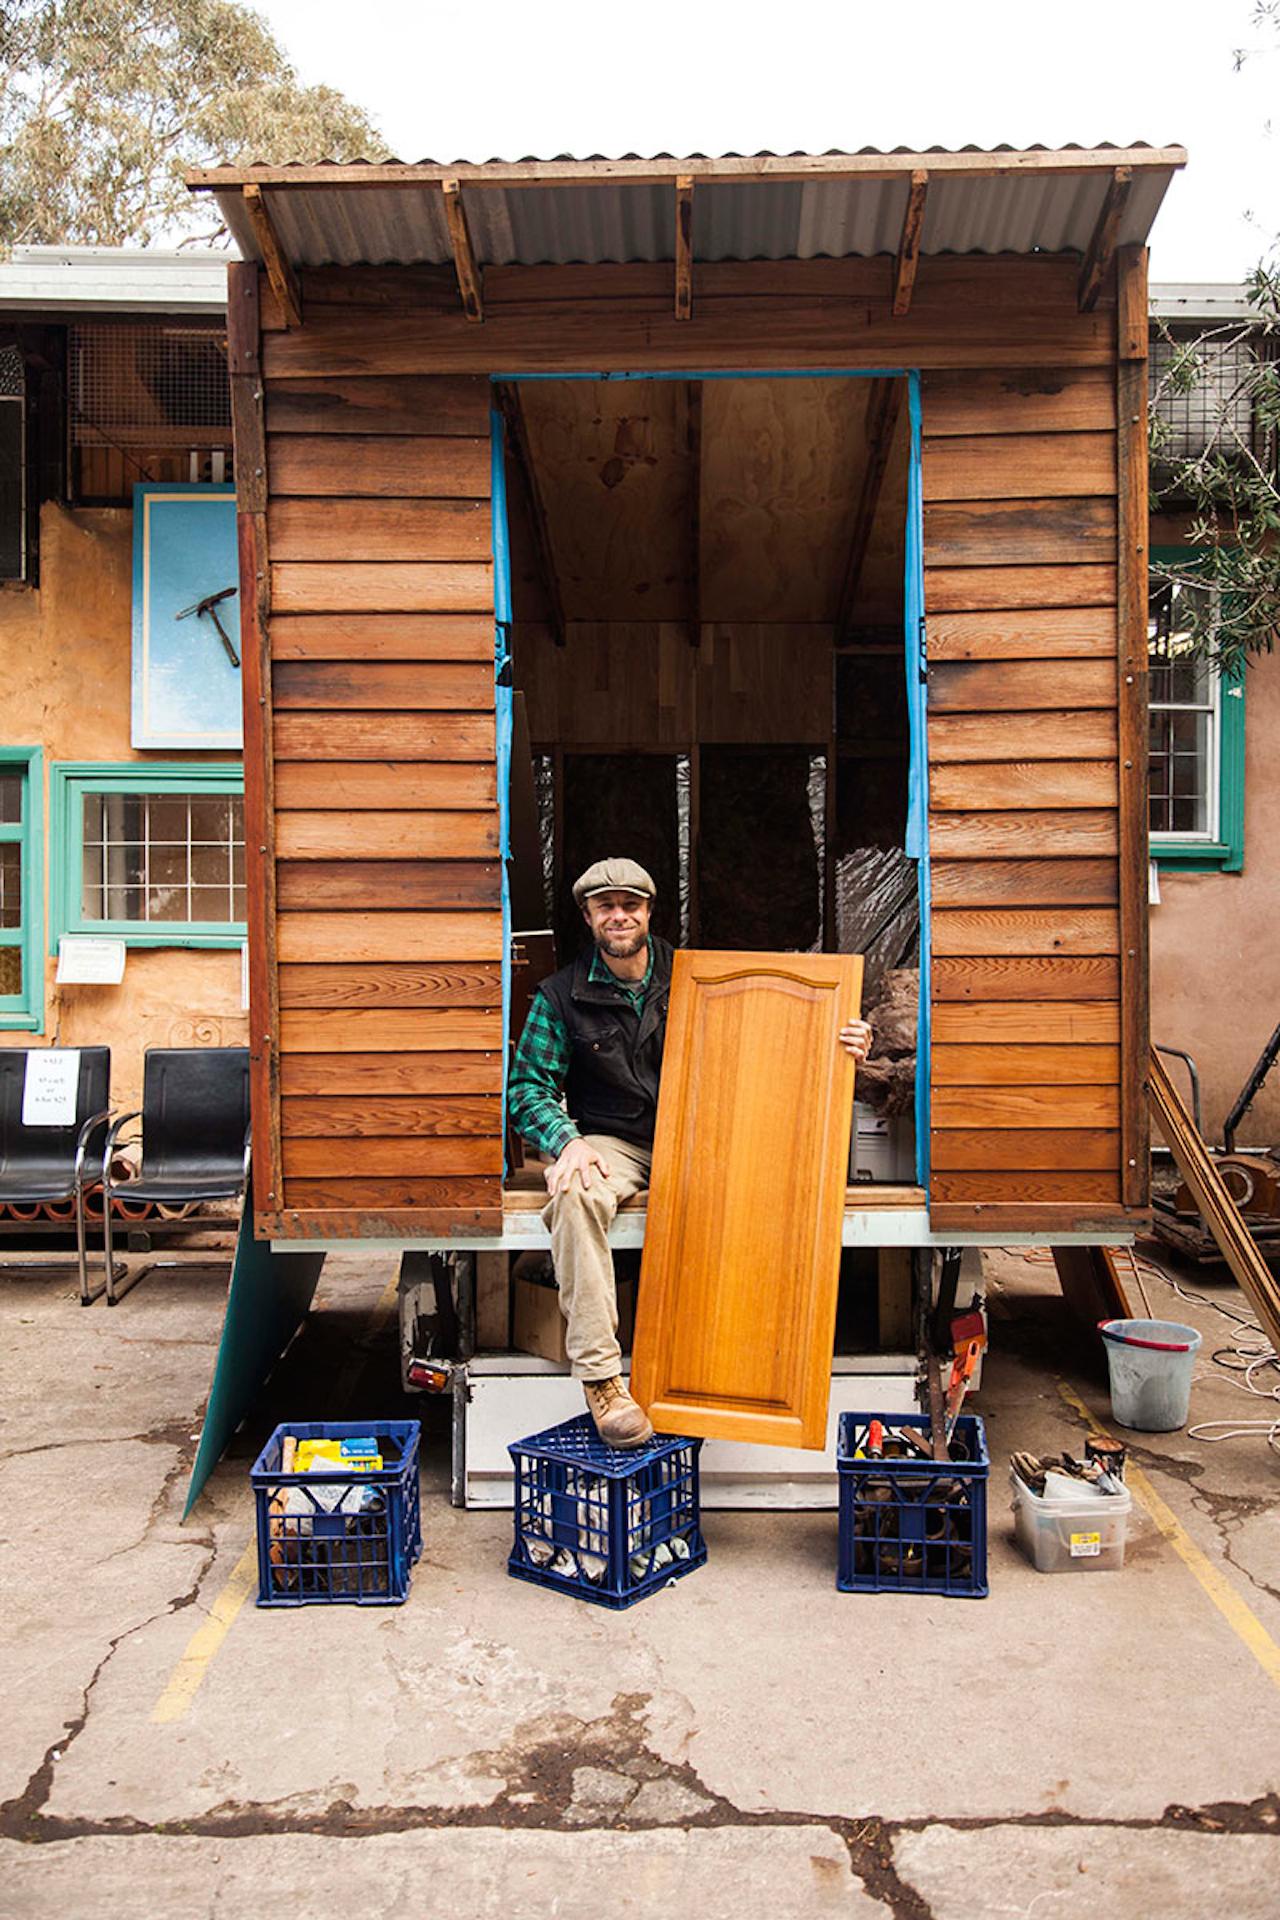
x: 887, y: 1079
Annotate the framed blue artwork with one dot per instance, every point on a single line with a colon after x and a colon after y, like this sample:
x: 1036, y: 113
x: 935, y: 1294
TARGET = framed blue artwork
x: 186, y: 617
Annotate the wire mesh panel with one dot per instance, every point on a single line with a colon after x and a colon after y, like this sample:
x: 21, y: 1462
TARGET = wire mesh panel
x: 1202, y: 391
x: 147, y: 384
x: 608, y: 1524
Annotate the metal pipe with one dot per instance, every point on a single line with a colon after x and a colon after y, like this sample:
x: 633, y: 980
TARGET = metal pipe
x: 1180, y: 1053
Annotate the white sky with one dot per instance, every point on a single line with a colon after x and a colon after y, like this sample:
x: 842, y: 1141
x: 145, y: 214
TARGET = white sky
x: 508, y: 78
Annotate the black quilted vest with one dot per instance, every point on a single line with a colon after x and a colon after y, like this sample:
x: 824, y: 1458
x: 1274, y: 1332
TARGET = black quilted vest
x: 612, y: 1083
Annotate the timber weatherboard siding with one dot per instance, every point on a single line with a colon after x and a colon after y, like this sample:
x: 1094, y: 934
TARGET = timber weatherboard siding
x: 375, y: 975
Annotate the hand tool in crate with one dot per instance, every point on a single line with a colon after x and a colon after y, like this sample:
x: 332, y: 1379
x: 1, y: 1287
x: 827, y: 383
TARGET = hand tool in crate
x: 910, y: 1523
x: 338, y: 1511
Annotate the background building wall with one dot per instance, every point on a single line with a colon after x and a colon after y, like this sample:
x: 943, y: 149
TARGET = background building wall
x: 67, y: 650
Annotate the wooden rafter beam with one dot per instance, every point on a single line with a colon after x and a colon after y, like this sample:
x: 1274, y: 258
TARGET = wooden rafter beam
x: 904, y: 272
x: 663, y: 172
x: 464, y: 259
x: 883, y: 409
x: 693, y: 417
x: 1101, y: 250
x: 283, y: 279
x: 684, y: 247
x: 518, y: 440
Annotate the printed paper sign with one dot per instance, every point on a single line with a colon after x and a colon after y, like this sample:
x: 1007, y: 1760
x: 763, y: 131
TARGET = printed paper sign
x: 87, y: 960
x: 1085, y: 1546
x: 49, y: 1089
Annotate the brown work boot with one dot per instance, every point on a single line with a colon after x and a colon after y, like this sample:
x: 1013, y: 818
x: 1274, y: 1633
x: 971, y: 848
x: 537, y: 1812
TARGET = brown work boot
x: 619, y: 1421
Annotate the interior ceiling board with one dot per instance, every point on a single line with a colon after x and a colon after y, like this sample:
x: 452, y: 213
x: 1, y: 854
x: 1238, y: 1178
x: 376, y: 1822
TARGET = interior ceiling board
x: 615, y: 476
x: 782, y: 464
x: 747, y: 219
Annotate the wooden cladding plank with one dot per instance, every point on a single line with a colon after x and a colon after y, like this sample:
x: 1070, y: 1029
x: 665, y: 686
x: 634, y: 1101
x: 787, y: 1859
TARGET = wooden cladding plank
x: 359, y: 1074
x: 960, y: 1149
x: 388, y: 586
x: 1025, y: 400
x: 1000, y: 319
x: 357, y: 464
x: 981, y: 834
x: 426, y: 686
x: 406, y: 884
x: 741, y: 1261
x: 349, y: 1198
x: 1023, y: 883
x: 391, y: 1029
x: 1090, y: 735
x: 1132, y: 691
x: 306, y: 937
x: 956, y: 589
x: 1025, y: 977
x: 1045, y: 1106
x: 455, y: 404
x: 1027, y: 930
x: 1013, y: 686
x: 388, y: 786
x: 1024, y: 1066
x: 1025, y: 1187
x: 384, y: 736
x: 1007, y: 533
x: 986, y: 786
x: 1039, y: 633
x: 1019, y: 466
x: 337, y: 1118
x: 392, y: 984
x: 1047, y: 1218
x: 417, y: 1156
x: 386, y: 836
x: 310, y: 529
x: 372, y: 637
x: 981, y: 1023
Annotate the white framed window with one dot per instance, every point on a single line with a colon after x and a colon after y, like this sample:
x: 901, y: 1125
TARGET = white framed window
x: 1186, y: 719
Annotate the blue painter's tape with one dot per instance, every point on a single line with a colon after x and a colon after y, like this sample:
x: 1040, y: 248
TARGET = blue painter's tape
x: 501, y: 545
x: 918, y: 769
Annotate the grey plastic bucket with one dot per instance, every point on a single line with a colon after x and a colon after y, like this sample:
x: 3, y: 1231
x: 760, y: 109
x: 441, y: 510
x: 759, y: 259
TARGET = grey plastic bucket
x: 1151, y: 1362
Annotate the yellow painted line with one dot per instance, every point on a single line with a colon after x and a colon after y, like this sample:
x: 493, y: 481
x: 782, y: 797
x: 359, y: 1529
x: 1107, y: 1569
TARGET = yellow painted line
x: 1240, y: 1617
x: 188, y: 1676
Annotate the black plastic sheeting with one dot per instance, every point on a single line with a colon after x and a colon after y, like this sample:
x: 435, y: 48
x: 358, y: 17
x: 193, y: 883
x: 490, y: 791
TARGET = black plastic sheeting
x: 759, y: 859
x: 619, y: 806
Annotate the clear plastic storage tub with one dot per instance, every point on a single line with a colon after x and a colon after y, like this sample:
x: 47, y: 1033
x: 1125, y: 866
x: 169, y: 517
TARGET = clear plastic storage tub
x: 1071, y: 1536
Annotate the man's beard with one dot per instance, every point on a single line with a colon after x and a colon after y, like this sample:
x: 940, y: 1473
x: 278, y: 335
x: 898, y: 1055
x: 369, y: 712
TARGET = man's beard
x: 621, y: 945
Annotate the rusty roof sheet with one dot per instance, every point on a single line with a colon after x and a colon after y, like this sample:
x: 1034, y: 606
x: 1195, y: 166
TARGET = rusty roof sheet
x: 757, y: 207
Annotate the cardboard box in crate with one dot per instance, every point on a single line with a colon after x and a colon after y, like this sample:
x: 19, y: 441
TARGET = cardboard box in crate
x: 338, y: 1534
x: 913, y: 1525
x: 608, y: 1524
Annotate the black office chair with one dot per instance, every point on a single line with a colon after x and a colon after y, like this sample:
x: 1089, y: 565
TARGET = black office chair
x: 194, y: 1138
x: 55, y: 1164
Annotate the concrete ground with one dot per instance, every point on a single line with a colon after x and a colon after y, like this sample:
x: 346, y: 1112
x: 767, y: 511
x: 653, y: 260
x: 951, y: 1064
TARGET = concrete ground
x: 749, y: 1741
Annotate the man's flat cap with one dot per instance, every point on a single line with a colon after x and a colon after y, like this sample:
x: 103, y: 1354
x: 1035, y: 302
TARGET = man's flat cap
x: 613, y: 876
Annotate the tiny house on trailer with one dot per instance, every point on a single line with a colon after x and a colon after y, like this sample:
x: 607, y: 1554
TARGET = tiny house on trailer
x: 780, y: 521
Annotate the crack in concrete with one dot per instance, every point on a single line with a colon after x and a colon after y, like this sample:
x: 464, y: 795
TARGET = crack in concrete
x: 543, y: 1767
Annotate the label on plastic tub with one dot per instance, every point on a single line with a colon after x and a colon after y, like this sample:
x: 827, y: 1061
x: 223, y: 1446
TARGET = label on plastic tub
x: 1084, y: 1546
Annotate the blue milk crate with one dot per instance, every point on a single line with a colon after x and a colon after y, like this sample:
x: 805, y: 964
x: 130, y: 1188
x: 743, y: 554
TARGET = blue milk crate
x: 338, y: 1535
x: 609, y: 1524
x: 913, y: 1525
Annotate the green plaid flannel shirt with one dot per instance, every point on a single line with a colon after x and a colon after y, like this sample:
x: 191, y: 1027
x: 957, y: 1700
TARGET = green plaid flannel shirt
x: 536, y: 1085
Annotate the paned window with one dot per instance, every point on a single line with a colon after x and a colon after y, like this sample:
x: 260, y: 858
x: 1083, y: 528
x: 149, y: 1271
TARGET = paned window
x: 21, y: 889
x: 154, y: 854
x: 1196, y: 736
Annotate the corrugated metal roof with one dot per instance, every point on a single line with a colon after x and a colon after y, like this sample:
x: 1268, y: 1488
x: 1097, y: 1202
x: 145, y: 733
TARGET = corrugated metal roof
x: 597, y: 210
x: 112, y: 279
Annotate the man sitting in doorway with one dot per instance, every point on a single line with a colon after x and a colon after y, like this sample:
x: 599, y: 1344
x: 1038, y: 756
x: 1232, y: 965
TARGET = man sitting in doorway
x: 584, y: 1091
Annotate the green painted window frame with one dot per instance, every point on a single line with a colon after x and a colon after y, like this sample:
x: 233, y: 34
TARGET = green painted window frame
x: 1226, y: 853
x: 24, y: 1012
x: 69, y: 781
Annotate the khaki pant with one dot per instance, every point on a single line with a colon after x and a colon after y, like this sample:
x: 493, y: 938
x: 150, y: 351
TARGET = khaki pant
x: 579, y: 1222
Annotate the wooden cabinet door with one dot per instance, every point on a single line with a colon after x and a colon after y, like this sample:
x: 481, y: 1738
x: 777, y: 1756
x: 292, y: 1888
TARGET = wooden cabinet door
x: 736, y: 1316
